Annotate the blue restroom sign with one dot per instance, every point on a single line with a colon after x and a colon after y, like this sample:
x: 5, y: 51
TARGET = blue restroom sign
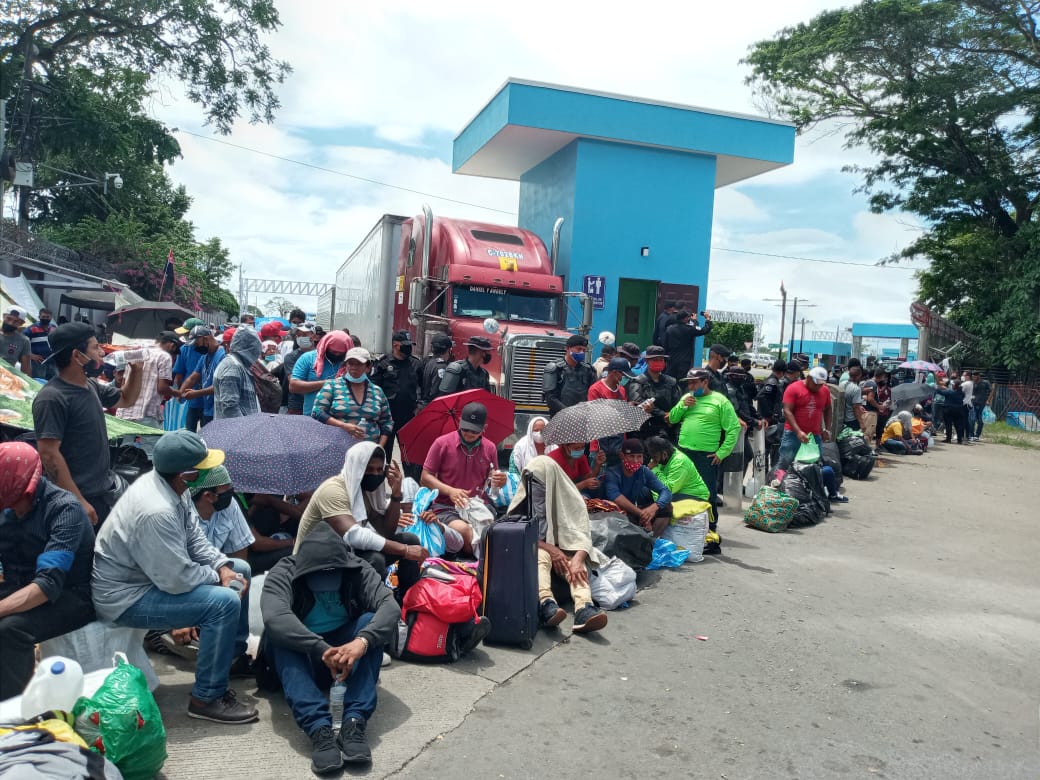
x: 595, y: 287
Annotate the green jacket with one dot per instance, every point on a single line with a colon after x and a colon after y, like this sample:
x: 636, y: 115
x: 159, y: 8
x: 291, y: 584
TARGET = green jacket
x: 681, y: 477
x: 702, y: 425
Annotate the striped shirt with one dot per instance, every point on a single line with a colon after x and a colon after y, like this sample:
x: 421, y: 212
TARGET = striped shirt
x: 155, y: 365
x: 372, y: 414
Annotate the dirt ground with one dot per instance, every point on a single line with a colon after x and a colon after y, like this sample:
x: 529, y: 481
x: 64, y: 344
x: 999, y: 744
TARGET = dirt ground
x: 898, y: 639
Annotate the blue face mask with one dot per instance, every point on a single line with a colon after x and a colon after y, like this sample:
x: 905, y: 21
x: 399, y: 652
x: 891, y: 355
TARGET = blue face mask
x: 356, y: 379
x: 699, y: 392
x: 624, y: 380
x: 576, y: 453
x: 578, y: 357
x: 269, y: 358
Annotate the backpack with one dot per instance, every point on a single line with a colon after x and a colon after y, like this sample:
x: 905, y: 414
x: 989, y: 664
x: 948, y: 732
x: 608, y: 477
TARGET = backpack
x: 432, y: 609
x: 268, y: 389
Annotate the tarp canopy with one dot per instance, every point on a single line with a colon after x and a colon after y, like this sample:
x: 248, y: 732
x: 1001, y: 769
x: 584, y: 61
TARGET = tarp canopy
x: 100, y: 300
x: 17, y: 291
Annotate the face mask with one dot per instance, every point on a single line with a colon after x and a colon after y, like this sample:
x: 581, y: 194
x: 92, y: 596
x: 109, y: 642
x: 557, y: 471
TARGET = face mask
x: 269, y: 358
x: 624, y: 381
x: 303, y: 342
x: 8, y: 328
x: 223, y: 501
x: 372, y: 481
x: 202, y: 349
x: 630, y: 467
x: 336, y: 357
x: 578, y: 357
x: 698, y: 392
x: 467, y: 446
x: 45, y: 322
x: 356, y: 380
x: 537, y: 438
x: 406, y: 349
x: 655, y: 365
x: 576, y: 453
x: 487, y: 358
x: 92, y: 368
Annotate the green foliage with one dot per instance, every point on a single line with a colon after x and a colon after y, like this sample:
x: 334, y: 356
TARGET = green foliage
x: 946, y: 95
x: 279, y: 306
x: 215, y: 49
x: 732, y: 334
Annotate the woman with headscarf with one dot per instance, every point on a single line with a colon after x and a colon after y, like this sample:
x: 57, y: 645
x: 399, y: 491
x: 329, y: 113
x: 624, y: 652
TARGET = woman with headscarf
x: 351, y: 402
x: 358, y: 507
x: 897, y: 436
x: 530, y: 446
x: 313, y: 368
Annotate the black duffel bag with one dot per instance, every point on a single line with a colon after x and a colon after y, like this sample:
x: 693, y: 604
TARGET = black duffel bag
x: 614, y: 535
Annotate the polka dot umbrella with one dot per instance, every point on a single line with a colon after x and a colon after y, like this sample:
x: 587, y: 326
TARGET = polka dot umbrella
x: 279, y: 454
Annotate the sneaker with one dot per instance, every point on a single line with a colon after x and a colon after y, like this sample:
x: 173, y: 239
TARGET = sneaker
x: 477, y: 632
x: 226, y: 709
x: 325, y: 757
x: 839, y: 499
x: 588, y: 619
x: 352, y: 742
x: 189, y: 651
x: 386, y: 660
x: 241, y: 668
x: 712, y: 543
x: 551, y: 613
x: 153, y: 641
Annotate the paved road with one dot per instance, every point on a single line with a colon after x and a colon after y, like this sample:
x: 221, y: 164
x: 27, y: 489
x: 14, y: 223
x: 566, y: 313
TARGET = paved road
x: 898, y: 639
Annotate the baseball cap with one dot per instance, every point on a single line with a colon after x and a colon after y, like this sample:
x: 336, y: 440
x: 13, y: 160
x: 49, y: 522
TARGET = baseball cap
x: 720, y: 349
x: 305, y: 327
x: 189, y: 323
x: 169, y: 335
x: 67, y: 336
x: 630, y: 350
x: 184, y: 450
x: 273, y: 328
x: 620, y: 364
x: 479, y: 342
x: 794, y: 365
x: 698, y: 374
x: 228, y: 334
x: 473, y: 417
x: 780, y: 365
x: 631, y: 447
x: 655, y: 352
x: 441, y: 343
x: 577, y: 341
x: 16, y: 312
x: 818, y: 375
x: 360, y: 354
x: 200, y: 330
x: 402, y: 336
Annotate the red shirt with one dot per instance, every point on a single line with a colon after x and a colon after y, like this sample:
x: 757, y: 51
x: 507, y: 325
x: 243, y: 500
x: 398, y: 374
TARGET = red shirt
x: 808, y: 406
x: 600, y: 390
x: 454, y: 466
x: 577, y: 470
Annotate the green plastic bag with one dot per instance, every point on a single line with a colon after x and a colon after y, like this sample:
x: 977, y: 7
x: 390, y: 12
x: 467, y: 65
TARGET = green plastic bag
x: 122, y: 722
x: 808, y: 452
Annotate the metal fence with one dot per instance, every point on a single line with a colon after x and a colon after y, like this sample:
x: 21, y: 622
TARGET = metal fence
x: 1015, y: 397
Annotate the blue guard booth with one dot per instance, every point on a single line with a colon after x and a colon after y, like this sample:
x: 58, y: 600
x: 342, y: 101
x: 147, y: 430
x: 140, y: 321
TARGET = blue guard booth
x: 634, y: 181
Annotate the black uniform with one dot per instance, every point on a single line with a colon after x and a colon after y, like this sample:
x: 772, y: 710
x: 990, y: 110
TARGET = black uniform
x: 665, y: 393
x: 664, y: 320
x: 431, y: 371
x: 770, y: 399
x: 678, y: 343
x: 565, y: 386
x: 399, y: 380
x: 461, y: 375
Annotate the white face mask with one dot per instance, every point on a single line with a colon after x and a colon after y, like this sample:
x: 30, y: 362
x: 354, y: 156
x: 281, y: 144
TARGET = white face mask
x: 536, y: 437
x: 303, y: 342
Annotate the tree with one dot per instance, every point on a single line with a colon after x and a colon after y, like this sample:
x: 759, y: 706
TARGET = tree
x: 215, y: 49
x: 281, y: 306
x: 732, y: 334
x: 945, y: 94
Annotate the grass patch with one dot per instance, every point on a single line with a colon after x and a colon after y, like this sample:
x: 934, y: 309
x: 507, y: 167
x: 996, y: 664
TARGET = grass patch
x: 1002, y: 433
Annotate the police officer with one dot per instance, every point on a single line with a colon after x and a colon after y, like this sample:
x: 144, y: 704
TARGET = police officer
x: 397, y: 373
x: 468, y: 374
x: 567, y: 381
x: 431, y: 368
x: 657, y: 392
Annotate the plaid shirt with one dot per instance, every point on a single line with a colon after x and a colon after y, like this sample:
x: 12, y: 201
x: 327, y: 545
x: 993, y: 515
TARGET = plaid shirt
x: 372, y: 414
x: 155, y: 366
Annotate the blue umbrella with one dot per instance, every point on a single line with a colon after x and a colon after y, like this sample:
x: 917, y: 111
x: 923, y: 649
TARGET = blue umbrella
x: 280, y: 454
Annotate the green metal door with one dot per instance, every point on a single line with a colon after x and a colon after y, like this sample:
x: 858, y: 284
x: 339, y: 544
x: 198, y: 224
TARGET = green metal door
x: 637, y: 311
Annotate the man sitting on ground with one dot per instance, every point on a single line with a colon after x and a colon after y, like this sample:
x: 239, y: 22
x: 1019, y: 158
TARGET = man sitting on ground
x: 154, y: 568
x: 47, y: 547
x: 327, y: 614
x: 571, y: 458
x: 631, y: 486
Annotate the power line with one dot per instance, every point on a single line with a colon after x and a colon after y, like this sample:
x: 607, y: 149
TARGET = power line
x: 814, y: 259
x: 343, y: 173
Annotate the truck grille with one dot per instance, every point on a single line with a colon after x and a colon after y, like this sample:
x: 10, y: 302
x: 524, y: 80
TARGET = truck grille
x: 528, y: 361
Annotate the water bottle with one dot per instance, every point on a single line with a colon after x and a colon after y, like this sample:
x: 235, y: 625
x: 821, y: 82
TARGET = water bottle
x: 336, y: 695
x: 57, y: 684
x: 238, y: 584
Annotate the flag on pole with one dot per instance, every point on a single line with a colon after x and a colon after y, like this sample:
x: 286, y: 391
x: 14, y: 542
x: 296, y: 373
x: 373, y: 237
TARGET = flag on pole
x: 169, y: 273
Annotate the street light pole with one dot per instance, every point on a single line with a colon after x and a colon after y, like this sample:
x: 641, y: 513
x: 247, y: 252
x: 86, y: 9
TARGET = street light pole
x: 783, y: 315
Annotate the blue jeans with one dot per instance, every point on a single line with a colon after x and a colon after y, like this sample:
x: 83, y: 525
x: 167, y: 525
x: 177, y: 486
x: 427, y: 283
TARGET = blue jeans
x: 977, y: 431
x: 896, y: 446
x: 789, y: 445
x: 221, y: 617
x: 306, y: 681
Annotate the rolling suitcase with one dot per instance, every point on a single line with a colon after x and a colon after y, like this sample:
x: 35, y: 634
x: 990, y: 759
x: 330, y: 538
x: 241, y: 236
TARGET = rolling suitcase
x: 509, y: 578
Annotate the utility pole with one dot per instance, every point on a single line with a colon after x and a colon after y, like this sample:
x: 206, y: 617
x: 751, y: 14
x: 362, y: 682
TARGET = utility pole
x: 794, y: 318
x: 783, y: 314
x: 25, y: 144
x: 801, y: 338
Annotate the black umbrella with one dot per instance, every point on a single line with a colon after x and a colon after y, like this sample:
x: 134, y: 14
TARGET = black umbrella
x: 592, y: 420
x: 144, y: 320
x: 906, y: 395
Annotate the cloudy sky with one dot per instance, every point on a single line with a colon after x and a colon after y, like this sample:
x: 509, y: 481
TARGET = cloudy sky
x: 380, y: 90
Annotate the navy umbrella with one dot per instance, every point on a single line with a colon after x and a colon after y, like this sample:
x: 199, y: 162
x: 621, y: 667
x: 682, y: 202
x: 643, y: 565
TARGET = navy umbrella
x: 280, y: 454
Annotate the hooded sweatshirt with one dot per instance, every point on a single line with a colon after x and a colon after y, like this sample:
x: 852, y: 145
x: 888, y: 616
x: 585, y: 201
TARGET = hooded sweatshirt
x: 286, y: 600
x: 233, y: 392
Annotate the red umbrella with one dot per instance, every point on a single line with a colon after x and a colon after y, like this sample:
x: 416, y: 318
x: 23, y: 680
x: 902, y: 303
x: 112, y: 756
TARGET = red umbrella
x: 441, y: 416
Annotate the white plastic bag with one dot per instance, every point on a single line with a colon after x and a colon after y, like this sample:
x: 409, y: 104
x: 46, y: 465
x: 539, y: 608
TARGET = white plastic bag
x: 479, y: 517
x: 94, y: 645
x: 688, y: 533
x: 613, y: 583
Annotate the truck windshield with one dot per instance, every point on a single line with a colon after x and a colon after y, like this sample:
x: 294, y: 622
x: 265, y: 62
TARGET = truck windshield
x: 503, y: 305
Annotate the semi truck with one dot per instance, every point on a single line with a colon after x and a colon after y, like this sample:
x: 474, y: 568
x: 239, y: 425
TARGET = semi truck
x: 439, y: 275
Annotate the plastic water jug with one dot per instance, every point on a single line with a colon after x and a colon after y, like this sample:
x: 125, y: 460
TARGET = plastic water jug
x: 337, y: 693
x: 57, y: 684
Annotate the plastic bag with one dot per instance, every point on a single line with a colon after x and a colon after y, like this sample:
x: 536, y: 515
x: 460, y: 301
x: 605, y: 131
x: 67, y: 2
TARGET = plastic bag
x: 122, y: 721
x: 175, y: 414
x: 612, y: 584
x: 809, y: 452
x: 479, y: 517
x: 502, y: 497
x: 988, y: 416
x: 431, y: 537
x: 667, y: 556
x: 689, y: 526
x: 614, y: 534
